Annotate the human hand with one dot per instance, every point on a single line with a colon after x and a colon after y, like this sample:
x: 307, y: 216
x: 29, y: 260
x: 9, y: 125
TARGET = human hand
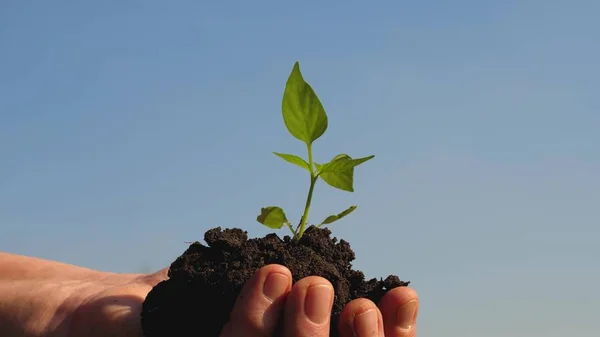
x: 111, y: 305
x: 306, y: 309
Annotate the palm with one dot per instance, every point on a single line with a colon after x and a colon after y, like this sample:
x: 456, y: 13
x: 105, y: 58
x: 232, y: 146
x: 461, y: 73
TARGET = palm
x: 111, y: 307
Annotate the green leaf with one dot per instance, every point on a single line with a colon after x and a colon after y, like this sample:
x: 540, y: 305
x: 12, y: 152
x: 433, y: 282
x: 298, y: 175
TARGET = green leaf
x: 334, y: 218
x: 294, y: 160
x: 303, y: 113
x: 342, y: 180
x: 272, y: 217
x: 343, y: 162
x: 339, y: 172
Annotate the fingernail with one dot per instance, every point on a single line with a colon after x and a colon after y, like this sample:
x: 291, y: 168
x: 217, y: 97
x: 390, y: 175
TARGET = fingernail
x: 318, y: 302
x: 275, y: 285
x: 365, y: 324
x: 405, y: 315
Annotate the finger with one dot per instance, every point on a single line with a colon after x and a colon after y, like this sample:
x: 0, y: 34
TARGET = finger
x: 361, y: 318
x: 308, y: 308
x: 260, y: 304
x: 399, y: 308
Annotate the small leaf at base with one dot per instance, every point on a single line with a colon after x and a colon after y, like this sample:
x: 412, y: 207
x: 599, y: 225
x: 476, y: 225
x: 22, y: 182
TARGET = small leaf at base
x: 272, y: 217
x: 334, y: 218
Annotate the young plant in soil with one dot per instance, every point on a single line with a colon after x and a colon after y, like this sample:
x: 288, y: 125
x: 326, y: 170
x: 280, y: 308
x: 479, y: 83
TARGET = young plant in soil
x: 206, y: 279
x: 305, y: 119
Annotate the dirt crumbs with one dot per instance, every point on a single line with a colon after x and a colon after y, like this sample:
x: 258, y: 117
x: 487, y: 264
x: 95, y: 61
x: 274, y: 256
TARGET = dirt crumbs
x: 205, y: 281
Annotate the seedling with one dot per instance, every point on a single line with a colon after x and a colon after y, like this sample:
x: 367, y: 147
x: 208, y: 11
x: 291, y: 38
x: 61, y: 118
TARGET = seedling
x: 306, y: 120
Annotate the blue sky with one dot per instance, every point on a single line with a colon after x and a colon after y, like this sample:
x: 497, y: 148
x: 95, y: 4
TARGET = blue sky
x: 128, y: 128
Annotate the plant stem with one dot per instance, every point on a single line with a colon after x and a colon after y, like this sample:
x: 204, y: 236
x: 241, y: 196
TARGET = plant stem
x: 313, y: 180
x: 291, y: 228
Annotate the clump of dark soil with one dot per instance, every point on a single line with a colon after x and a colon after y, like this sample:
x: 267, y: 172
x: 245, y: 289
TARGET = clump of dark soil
x: 209, y: 278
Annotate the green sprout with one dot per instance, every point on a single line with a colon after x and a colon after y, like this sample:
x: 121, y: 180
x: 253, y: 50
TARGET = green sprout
x: 306, y: 120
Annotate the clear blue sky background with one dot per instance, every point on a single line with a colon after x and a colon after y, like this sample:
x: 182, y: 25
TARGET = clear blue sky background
x: 128, y: 128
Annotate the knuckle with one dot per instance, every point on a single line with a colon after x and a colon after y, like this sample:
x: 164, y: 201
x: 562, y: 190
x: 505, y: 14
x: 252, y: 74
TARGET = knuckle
x: 249, y: 323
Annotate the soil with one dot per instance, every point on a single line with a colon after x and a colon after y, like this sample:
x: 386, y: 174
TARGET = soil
x: 209, y: 278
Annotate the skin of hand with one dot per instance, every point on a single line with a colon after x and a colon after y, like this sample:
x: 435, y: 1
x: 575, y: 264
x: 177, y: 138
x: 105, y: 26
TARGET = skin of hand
x: 66, y: 301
